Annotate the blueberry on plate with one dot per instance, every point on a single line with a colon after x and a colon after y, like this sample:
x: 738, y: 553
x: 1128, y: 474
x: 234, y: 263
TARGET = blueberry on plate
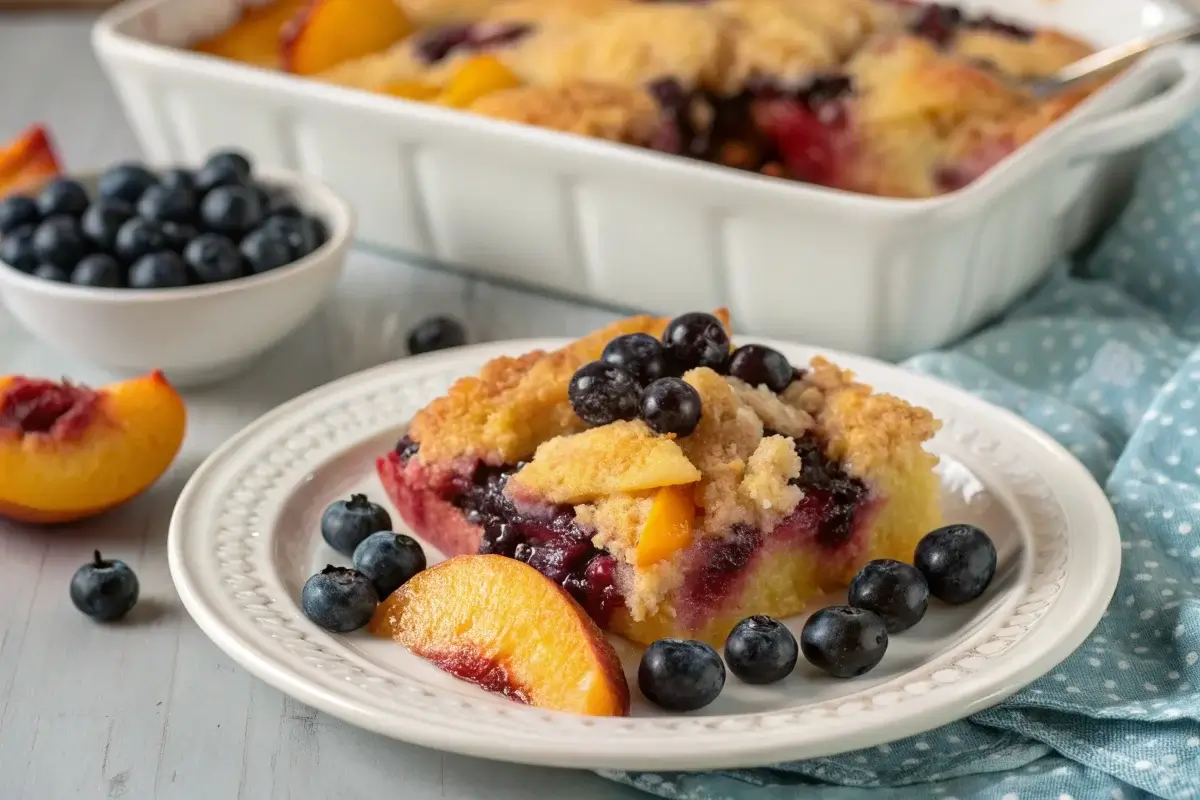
x: 16, y: 249
x: 265, y: 249
x: 671, y: 405
x: 843, y: 641
x: 231, y: 210
x: 639, y: 354
x: 162, y: 203
x: 338, y: 599
x: 178, y: 234
x: 52, y: 272
x: 63, y: 196
x: 758, y: 365
x: 162, y: 270
x: 436, y: 333
x: 958, y: 562
x: 125, y: 182
x: 896, y: 591
x: 680, y: 675
x: 98, y: 269
x: 697, y: 340
x: 212, y: 258
x: 346, y: 523
x: 103, y: 219
x: 389, y: 560
x: 181, y: 178
x: 59, y: 241
x: 18, y: 211
x: 138, y: 238
x: 601, y: 393
x: 761, y: 650
x: 104, y: 590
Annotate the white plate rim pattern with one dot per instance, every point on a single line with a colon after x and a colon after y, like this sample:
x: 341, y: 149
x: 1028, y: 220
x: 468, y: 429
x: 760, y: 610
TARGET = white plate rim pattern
x: 219, y: 550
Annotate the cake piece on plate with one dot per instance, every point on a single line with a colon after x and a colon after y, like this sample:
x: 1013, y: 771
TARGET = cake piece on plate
x: 783, y: 485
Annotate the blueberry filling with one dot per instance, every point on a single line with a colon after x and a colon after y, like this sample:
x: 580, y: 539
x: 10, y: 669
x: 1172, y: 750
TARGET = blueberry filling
x: 709, y: 127
x: 439, y: 43
x: 939, y: 23
x: 406, y: 448
x: 825, y: 482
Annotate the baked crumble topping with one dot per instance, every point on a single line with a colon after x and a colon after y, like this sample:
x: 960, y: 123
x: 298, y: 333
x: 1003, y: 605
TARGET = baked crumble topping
x: 617, y: 113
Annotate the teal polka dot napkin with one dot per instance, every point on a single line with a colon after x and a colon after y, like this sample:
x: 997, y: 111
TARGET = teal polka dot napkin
x: 1105, y: 357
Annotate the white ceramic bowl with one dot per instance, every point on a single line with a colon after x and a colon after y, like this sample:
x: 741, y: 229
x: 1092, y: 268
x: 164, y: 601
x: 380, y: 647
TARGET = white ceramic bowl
x: 195, y: 334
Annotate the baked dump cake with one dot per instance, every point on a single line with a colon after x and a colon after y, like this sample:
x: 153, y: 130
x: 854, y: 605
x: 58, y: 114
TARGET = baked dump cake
x: 670, y: 482
x: 884, y: 97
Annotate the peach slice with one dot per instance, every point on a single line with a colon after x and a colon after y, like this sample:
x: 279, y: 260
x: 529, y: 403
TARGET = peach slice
x: 29, y: 159
x: 477, y: 77
x: 668, y: 527
x: 328, y: 32
x: 411, y: 90
x: 501, y: 624
x: 69, y: 452
x: 254, y: 39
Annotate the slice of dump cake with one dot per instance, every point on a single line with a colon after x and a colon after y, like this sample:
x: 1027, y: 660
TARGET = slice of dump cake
x: 786, y: 484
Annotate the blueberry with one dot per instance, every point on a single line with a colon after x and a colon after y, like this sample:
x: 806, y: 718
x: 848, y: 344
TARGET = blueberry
x: 761, y: 650
x: 523, y: 552
x: 601, y: 393
x: 63, y: 196
x: 52, y: 272
x: 436, y: 333
x: 167, y: 204
x: 59, y: 241
x: 125, y: 182
x: 639, y: 354
x: 231, y: 210
x: 233, y: 160
x: 758, y: 365
x: 499, y: 539
x: 98, y: 269
x: 892, y: 589
x: 389, y: 560
x: 162, y: 270
x: 213, y: 258
x: 16, y: 249
x: 346, y: 523
x: 208, y: 178
x: 844, y: 641
x: 17, y: 211
x: 338, y: 599
x: 138, y: 238
x: 670, y: 405
x: 104, y: 590
x: 958, y: 562
x: 265, y: 250
x: 303, y: 234
x: 178, y: 178
x: 282, y: 205
x: 697, y: 340
x: 178, y: 234
x: 680, y: 675
x: 103, y: 219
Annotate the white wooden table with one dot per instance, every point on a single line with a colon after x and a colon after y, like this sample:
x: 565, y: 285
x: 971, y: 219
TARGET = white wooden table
x: 151, y: 710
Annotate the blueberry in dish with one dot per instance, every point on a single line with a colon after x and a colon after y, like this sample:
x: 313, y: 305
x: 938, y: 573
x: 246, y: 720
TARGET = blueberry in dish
x: 883, y: 97
x: 780, y: 491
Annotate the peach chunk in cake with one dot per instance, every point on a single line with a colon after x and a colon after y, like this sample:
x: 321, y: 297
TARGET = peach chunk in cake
x: 778, y: 489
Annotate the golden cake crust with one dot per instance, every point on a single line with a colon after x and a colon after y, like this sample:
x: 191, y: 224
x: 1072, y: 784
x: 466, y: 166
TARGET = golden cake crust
x: 603, y: 111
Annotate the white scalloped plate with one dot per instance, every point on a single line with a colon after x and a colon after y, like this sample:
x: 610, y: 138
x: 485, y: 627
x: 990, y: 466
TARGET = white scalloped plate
x: 244, y: 538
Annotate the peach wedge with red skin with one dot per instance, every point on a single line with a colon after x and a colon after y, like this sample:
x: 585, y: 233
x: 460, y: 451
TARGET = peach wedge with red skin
x: 329, y: 32
x: 501, y: 624
x: 26, y: 161
x: 68, y: 452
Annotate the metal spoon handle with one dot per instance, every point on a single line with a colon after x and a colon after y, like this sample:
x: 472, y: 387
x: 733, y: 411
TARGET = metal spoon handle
x: 1121, y: 54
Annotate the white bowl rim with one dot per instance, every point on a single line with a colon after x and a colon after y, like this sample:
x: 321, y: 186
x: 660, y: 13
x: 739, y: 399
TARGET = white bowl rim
x: 334, y: 210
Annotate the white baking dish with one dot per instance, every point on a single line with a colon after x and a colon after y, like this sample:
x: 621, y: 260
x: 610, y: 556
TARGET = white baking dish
x: 634, y: 228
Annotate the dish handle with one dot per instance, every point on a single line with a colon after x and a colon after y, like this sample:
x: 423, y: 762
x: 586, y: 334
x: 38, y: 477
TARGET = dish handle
x: 1149, y: 119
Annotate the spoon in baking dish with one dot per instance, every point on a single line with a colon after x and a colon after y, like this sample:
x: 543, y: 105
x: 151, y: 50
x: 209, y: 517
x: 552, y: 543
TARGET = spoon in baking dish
x: 1108, y: 59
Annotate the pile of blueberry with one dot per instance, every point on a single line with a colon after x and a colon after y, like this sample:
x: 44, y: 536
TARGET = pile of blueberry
x: 157, y: 231
x: 638, y: 375
x: 955, y: 564
x: 341, y: 599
